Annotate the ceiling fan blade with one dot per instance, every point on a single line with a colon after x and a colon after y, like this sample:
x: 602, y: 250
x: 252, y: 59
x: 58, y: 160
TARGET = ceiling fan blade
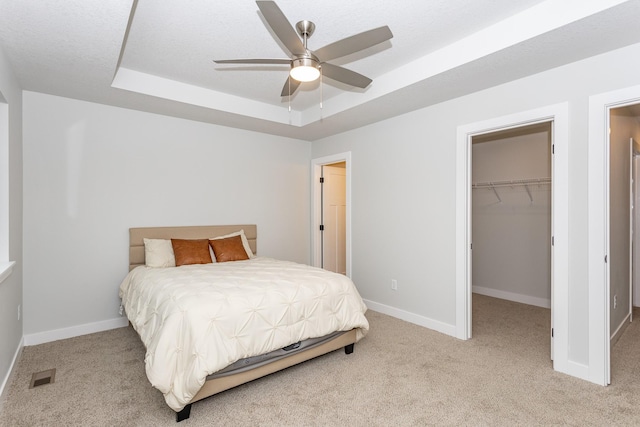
x: 290, y: 87
x: 343, y: 75
x: 353, y: 44
x: 281, y: 26
x: 253, y: 61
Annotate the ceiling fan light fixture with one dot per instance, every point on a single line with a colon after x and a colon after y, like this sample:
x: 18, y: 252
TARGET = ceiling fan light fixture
x: 304, y: 69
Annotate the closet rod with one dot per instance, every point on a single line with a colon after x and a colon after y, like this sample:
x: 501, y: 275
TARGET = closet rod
x: 512, y: 183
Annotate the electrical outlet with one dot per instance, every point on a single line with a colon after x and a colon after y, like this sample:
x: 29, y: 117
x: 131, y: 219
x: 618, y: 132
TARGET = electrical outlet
x: 18, y: 311
x: 394, y: 284
x: 615, y: 302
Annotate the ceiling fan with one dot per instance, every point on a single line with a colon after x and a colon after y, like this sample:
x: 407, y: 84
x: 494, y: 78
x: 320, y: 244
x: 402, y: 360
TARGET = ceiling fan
x: 306, y: 64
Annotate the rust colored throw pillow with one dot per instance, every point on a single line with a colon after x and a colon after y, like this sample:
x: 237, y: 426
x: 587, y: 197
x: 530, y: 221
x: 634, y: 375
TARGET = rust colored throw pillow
x: 191, y: 251
x: 229, y: 249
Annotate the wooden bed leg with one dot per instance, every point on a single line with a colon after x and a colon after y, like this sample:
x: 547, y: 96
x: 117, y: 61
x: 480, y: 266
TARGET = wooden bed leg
x: 184, y: 414
x: 348, y: 349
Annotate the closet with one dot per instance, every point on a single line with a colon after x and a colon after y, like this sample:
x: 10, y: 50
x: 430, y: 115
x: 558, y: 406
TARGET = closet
x: 511, y: 214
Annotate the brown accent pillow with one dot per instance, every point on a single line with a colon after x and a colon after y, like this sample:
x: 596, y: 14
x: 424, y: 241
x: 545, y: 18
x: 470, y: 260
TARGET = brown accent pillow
x: 229, y: 249
x: 191, y: 251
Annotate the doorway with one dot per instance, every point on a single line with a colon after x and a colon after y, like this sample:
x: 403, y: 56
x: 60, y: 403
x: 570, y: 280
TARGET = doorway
x: 624, y: 131
x: 557, y: 115
x: 511, y: 219
x: 334, y: 216
x: 599, y: 293
x: 331, y: 213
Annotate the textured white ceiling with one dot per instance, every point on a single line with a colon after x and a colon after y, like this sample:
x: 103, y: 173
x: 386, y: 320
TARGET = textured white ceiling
x: 440, y: 49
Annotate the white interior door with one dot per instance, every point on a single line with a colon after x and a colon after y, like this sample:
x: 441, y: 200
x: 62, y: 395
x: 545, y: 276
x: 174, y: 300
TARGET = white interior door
x: 631, y: 224
x: 552, y: 276
x: 636, y: 234
x: 334, y: 208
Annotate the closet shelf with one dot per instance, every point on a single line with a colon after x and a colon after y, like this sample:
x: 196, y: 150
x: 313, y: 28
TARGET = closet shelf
x: 512, y: 183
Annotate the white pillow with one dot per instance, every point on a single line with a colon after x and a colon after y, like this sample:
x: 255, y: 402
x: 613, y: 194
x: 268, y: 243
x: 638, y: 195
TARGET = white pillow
x: 245, y: 242
x: 158, y: 253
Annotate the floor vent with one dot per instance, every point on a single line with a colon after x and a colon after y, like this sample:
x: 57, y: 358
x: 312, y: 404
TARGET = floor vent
x: 42, y: 378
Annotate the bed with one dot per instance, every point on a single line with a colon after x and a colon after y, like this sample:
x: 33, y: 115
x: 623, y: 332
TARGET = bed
x: 210, y: 327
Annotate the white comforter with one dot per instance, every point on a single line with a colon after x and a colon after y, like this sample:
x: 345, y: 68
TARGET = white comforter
x: 195, y: 320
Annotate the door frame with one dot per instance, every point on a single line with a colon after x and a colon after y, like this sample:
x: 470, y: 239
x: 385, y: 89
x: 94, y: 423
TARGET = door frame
x: 598, y: 184
x: 558, y: 114
x: 316, y: 207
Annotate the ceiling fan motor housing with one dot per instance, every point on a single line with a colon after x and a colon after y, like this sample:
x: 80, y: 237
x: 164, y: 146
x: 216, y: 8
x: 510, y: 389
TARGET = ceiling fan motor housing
x: 305, y: 62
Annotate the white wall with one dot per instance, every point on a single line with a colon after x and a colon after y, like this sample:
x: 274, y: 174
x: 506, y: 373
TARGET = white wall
x: 11, y: 288
x: 92, y: 171
x: 404, y: 189
x: 512, y: 236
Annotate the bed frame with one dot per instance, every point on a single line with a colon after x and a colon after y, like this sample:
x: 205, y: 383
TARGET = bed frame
x: 217, y: 385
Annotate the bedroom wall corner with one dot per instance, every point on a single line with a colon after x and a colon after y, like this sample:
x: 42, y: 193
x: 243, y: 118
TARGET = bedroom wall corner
x: 11, y: 288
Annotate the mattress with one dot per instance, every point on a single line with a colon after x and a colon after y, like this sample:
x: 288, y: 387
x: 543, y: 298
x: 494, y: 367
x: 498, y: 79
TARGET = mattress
x: 196, y: 320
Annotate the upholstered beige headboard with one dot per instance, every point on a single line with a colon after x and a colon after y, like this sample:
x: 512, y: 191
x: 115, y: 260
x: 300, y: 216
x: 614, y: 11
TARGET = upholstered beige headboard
x: 136, y: 236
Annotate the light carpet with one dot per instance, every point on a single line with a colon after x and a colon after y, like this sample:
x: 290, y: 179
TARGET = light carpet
x: 399, y: 375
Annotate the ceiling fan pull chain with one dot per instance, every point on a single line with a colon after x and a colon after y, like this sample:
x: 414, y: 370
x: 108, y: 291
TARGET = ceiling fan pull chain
x: 289, y: 81
x: 320, y: 86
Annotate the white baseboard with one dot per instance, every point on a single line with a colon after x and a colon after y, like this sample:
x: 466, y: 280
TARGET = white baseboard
x: 619, y: 330
x: 9, y: 375
x: 511, y: 296
x: 436, y: 325
x: 74, y: 331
